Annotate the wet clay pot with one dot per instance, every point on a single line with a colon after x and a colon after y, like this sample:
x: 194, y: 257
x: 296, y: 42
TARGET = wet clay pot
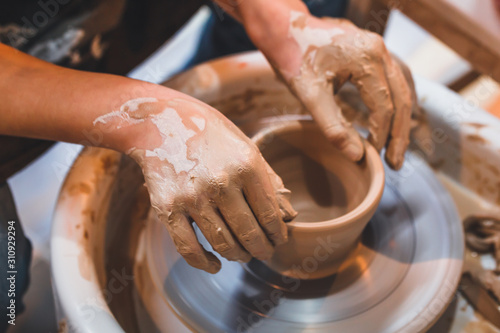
x: 335, y: 197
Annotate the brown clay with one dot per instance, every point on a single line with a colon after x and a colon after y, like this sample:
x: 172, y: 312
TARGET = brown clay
x: 334, y: 196
x: 200, y: 167
x: 482, y: 234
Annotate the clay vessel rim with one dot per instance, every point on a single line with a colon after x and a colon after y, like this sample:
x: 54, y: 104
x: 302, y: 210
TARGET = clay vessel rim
x: 373, y: 163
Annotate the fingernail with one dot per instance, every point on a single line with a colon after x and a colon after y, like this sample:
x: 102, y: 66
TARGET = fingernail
x: 213, y: 268
x: 214, y: 265
x: 288, y: 213
x: 394, y: 163
x: 396, y: 153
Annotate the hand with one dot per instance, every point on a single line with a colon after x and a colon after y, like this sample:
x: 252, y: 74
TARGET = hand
x: 318, y: 56
x: 200, y: 167
x: 197, y: 165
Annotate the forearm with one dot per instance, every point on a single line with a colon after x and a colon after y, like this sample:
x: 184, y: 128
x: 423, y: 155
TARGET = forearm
x: 267, y: 23
x: 41, y: 100
x: 243, y: 10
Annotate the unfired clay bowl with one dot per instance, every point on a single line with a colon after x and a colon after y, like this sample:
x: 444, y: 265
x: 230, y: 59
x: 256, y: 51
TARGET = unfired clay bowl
x: 334, y: 197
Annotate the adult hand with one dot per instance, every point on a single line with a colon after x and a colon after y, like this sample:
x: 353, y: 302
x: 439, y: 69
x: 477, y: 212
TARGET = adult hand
x: 198, y: 166
x: 315, y: 57
x: 196, y: 163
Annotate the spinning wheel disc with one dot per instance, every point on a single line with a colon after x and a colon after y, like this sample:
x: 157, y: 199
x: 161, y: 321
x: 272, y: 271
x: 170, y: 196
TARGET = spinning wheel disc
x: 400, y: 277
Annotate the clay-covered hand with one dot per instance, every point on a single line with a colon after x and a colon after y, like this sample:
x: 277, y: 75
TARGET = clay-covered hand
x: 319, y: 56
x: 198, y: 166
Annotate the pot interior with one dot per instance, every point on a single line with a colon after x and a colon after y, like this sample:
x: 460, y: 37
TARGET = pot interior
x: 324, y: 183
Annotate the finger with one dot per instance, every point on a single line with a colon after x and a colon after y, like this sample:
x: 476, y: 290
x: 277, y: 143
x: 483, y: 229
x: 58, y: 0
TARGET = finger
x: 408, y: 77
x: 375, y: 93
x: 261, y: 197
x: 400, y: 131
x: 416, y: 112
x: 241, y: 221
x: 182, y: 233
x: 218, y: 235
x: 317, y: 97
x: 282, y: 195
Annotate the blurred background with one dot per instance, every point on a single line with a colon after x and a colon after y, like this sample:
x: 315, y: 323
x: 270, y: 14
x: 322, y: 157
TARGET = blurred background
x: 452, y: 42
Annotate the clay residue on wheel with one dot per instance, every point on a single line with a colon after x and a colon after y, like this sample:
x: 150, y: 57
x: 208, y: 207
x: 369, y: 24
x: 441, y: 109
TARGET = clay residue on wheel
x: 127, y: 215
x: 476, y: 138
x: 103, y: 165
x: 482, y: 235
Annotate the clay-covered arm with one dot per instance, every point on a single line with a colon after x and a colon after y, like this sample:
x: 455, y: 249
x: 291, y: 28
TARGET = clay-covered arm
x: 197, y: 165
x: 42, y: 100
x: 315, y: 57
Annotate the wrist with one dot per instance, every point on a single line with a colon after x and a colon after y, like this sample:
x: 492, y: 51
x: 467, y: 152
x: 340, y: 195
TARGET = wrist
x: 145, y: 121
x: 124, y: 126
x: 269, y: 29
x: 267, y: 23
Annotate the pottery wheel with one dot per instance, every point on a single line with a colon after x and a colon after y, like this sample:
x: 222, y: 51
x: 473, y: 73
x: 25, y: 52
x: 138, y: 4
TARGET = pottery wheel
x: 399, y: 279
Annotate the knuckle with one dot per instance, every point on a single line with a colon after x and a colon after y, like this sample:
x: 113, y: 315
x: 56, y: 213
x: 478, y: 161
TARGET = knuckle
x: 190, y: 199
x: 204, y: 220
x: 247, y: 163
x: 161, y: 204
x: 336, y: 134
x: 169, y: 219
x: 374, y: 44
x: 249, y: 236
x: 250, y: 152
x: 269, y: 218
x: 185, y: 199
x: 219, y: 183
x: 224, y: 248
x: 249, y: 160
x: 165, y: 214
